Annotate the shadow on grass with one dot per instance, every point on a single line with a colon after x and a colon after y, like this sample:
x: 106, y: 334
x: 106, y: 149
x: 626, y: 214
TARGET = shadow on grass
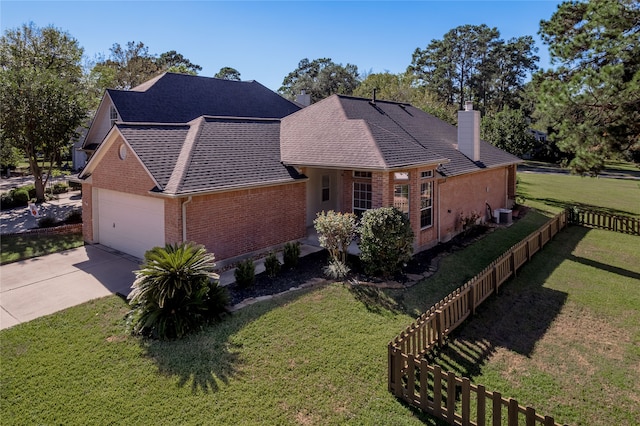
x: 20, y: 247
x: 209, y: 359
x: 518, y: 317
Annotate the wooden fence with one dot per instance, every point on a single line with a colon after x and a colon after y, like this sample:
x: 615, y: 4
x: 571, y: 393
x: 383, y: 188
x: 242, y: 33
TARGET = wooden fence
x: 592, y: 219
x: 444, y: 395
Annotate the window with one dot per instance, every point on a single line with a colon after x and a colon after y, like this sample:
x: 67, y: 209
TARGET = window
x: 362, y: 175
x: 427, y: 174
x: 361, y: 197
x: 426, y: 204
x: 401, y: 198
x: 326, y: 185
x: 113, y: 115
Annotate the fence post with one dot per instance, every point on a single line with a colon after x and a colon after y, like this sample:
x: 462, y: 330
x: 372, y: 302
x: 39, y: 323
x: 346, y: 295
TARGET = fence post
x: 472, y: 298
x: 451, y: 396
x: 481, y: 406
x: 512, y: 414
x: 437, y: 391
x: 440, y: 326
x: 497, y: 408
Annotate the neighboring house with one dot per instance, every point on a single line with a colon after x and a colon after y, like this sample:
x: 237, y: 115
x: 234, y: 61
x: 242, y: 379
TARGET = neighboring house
x: 234, y: 166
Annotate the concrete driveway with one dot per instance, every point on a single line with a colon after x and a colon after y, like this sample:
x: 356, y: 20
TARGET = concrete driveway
x: 41, y: 286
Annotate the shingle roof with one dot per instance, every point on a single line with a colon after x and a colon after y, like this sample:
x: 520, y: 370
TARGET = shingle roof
x: 180, y: 98
x: 343, y: 131
x: 210, y: 154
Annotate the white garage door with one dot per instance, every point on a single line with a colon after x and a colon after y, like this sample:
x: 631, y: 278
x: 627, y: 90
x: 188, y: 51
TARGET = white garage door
x: 130, y: 223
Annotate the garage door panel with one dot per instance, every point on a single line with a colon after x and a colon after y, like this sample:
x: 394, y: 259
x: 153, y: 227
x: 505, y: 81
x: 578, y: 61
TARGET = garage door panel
x: 130, y: 223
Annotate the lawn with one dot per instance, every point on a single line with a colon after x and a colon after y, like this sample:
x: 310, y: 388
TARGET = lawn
x: 19, y: 247
x: 320, y: 356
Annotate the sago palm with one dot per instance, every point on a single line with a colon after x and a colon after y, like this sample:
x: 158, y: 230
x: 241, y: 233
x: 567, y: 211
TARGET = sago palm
x: 172, y: 291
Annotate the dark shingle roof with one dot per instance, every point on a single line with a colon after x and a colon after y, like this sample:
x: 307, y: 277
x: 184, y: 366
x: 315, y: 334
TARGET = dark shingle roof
x: 210, y: 154
x: 345, y: 131
x: 180, y: 98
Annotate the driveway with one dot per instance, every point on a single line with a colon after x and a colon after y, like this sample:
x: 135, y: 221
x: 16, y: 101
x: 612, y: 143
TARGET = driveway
x: 41, y: 286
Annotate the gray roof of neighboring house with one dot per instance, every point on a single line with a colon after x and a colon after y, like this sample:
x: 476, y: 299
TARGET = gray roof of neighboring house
x: 180, y: 98
x: 349, y: 132
x: 210, y: 154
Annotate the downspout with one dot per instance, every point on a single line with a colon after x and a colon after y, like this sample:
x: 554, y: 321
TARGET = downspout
x: 184, y: 218
x: 439, y: 209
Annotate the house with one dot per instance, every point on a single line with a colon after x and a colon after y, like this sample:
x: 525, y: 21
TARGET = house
x: 238, y: 168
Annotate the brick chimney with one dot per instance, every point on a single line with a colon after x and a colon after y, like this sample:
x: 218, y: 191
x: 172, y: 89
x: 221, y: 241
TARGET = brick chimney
x: 469, y: 132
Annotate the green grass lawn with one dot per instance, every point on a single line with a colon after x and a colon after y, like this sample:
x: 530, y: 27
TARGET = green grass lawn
x: 553, y: 193
x: 564, y: 336
x: 569, y: 348
x: 20, y: 247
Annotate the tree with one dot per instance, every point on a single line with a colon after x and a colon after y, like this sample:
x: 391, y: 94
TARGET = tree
x: 471, y: 62
x: 228, y: 73
x: 173, y: 61
x: 450, y: 65
x: 130, y: 66
x: 320, y: 78
x: 402, y: 88
x: 508, y: 130
x: 41, y: 93
x: 593, y: 97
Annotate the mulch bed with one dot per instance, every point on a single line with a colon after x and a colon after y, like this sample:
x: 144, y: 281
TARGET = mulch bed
x: 311, y: 266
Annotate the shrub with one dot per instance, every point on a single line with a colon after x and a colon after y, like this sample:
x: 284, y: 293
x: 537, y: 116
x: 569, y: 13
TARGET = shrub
x: 59, y: 188
x: 335, y: 233
x: 272, y: 265
x: 47, y: 222
x: 20, y: 197
x: 336, y: 270
x: 291, y: 254
x: 75, y: 216
x: 175, y: 292
x: 6, y: 200
x: 386, y: 241
x: 245, y: 274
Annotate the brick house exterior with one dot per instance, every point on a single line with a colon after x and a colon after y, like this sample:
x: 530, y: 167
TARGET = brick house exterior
x: 249, y: 174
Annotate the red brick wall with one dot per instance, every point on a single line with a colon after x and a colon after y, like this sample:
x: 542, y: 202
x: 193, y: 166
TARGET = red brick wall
x: 461, y: 195
x: 126, y: 175
x: 234, y: 223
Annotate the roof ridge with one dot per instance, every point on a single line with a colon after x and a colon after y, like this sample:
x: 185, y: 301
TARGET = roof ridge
x: 372, y: 139
x: 181, y: 167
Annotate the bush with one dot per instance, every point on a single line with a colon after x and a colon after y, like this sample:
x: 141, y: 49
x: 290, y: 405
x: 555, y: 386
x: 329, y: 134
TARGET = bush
x: 386, y: 241
x: 272, y: 265
x: 47, y: 222
x: 6, y: 201
x: 336, y: 270
x: 75, y: 216
x: 335, y: 233
x: 20, y: 197
x: 59, y: 188
x: 291, y: 254
x: 175, y: 292
x: 245, y: 274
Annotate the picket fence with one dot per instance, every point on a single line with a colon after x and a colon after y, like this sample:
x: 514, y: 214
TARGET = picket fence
x: 609, y: 222
x: 443, y: 394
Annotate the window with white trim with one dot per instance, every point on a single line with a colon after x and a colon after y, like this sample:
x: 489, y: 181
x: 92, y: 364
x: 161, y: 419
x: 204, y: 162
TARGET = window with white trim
x: 113, y: 115
x: 426, y: 204
x: 361, y: 175
x: 401, y: 198
x: 361, y: 197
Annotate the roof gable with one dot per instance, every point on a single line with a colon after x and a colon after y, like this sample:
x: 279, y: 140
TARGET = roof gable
x: 180, y: 98
x: 209, y: 154
x: 401, y: 134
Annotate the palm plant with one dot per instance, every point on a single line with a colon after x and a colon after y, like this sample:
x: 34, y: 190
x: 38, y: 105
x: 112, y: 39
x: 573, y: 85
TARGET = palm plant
x: 175, y: 291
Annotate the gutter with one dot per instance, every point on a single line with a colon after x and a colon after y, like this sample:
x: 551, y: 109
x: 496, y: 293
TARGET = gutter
x: 184, y: 218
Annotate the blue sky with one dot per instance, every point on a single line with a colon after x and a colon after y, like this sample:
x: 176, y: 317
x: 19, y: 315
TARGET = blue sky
x: 265, y: 40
